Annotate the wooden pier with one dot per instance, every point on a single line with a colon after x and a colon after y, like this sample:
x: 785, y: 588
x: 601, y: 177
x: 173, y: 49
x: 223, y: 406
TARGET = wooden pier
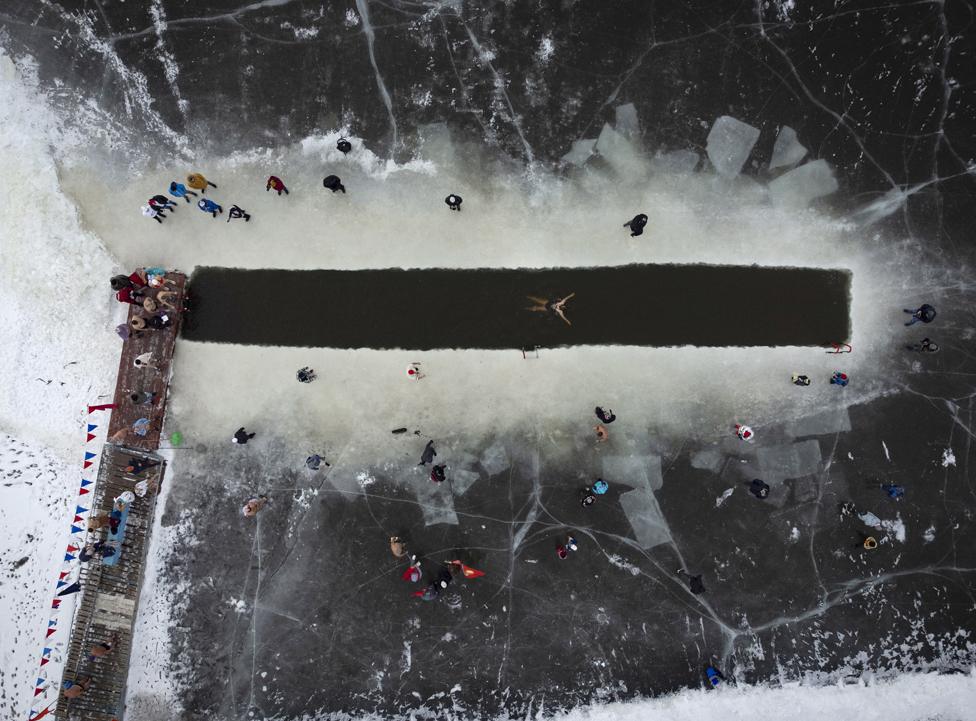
x: 109, y: 596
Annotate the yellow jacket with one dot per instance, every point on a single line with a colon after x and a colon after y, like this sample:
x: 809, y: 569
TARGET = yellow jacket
x: 196, y: 181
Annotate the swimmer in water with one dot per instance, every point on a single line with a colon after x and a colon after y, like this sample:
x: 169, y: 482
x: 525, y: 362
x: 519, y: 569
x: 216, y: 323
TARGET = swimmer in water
x: 555, y: 306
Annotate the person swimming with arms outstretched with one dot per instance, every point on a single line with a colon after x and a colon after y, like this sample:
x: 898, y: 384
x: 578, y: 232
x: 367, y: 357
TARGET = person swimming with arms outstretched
x: 555, y: 306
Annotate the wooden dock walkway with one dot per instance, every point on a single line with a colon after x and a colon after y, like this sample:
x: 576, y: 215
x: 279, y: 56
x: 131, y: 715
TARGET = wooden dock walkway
x: 160, y: 344
x: 109, y: 596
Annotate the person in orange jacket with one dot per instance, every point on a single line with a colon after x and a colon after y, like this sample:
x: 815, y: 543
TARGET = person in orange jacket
x: 198, y: 182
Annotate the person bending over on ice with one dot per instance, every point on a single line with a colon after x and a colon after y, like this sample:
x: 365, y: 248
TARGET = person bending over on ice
x: 198, y: 182
x: 555, y: 306
x: 208, y: 206
x: 178, y: 190
x: 241, y: 436
x: 333, y: 183
x: 923, y: 314
x: 275, y: 183
x: 636, y: 224
x: 237, y: 211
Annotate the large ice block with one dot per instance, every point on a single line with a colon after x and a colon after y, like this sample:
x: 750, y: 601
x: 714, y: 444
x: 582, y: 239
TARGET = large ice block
x: 581, y: 151
x: 729, y: 143
x: 787, y: 150
x: 798, y: 187
x: 626, y: 122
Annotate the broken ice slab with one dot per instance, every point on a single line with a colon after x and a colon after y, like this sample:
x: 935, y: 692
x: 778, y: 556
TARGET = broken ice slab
x: 791, y: 460
x: 787, y: 150
x: 709, y: 459
x: 729, y: 143
x: 798, y: 187
x: 620, y: 153
x: 644, y: 513
x: 581, y: 151
x: 836, y: 420
x: 495, y: 459
x: 675, y: 162
x: 462, y: 479
x: 626, y: 122
x: 637, y: 471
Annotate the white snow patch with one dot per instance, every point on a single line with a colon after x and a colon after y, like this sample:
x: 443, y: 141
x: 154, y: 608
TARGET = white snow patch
x: 895, y: 528
x: 948, y: 458
x: 887, y: 454
x: 624, y: 564
x: 929, y: 534
x: 546, y: 50
x: 794, y: 535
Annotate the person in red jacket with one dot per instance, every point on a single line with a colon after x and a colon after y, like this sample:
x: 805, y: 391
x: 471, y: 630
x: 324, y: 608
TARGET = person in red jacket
x: 275, y: 183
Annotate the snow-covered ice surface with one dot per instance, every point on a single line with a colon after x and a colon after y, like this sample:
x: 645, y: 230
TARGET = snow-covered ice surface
x: 82, y: 219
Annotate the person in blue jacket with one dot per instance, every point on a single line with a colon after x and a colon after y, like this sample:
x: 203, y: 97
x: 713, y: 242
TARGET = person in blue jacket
x: 178, y: 190
x: 208, y: 206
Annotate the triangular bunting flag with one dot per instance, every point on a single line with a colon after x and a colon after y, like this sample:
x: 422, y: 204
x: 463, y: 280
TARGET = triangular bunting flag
x: 55, y: 603
x: 102, y: 407
x: 72, y: 548
x: 77, y: 518
x: 91, y: 437
x: 83, y: 491
x: 63, y: 574
x: 44, y: 660
x: 46, y: 652
x: 91, y: 427
x: 75, y: 529
x: 86, y: 464
x: 40, y: 681
x: 49, y: 632
x: 89, y: 455
x: 52, y: 622
x: 68, y: 557
x: 61, y: 583
x: 81, y: 509
x: 38, y: 691
x: 73, y: 588
x: 83, y: 484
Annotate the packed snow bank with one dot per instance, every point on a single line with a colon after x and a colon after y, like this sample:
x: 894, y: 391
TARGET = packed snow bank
x: 910, y: 698
x: 56, y: 308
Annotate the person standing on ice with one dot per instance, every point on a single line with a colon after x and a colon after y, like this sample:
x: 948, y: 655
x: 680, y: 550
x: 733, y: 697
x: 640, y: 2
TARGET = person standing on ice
x: 237, y: 211
x: 636, y: 224
x: 253, y: 505
x: 161, y: 203
x: 241, y: 436
x: 343, y: 146
x: 198, y: 182
x: 605, y: 416
x: 744, y: 433
x: 209, y: 206
x: 151, y: 212
x: 333, y: 183
x: 454, y: 201
x: 178, y: 190
x: 275, y: 183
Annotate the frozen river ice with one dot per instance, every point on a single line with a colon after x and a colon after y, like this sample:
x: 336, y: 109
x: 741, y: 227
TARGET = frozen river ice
x: 748, y: 135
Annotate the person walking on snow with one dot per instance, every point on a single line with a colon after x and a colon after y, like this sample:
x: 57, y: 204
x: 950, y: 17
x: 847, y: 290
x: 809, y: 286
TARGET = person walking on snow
x: 241, y: 436
x: 343, y: 146
x: 198, y: 182
x: 454, y: 201
x: 605, y: 416
x: 237, y: 211
x: 178, y: 190
x: 275, y: 183
x: 209, y: 206
x: 744, y: 433
x: 253, y: 505
x: 333, y: 183
x: 636, y: 224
